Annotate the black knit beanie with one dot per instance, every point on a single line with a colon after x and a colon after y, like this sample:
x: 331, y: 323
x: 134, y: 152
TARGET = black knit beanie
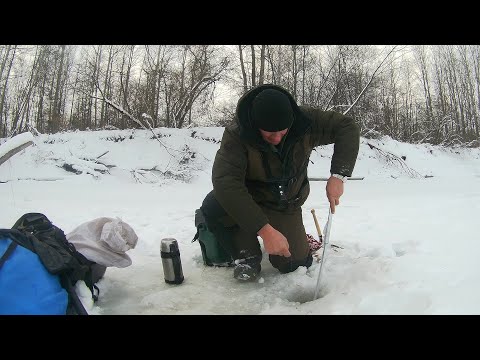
x: 272, y: 111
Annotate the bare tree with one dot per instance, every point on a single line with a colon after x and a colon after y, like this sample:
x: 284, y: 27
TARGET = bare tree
x: 261, y: 78
x: 475, y: 51
x: 55, y: 115
x: 95, y: 70
x: 420, y: 53
x: 257, y: 76
x: 468, y: 89
x: 8, y: 55
x: 45, y: 87
x: 242, y: 66
x: 254, y: 74
x: 24, y: 95
x: 294, y: 70
x: 155, y: 67
x: 199, y: 70
x: 370, y: 81
x: 125, y: 76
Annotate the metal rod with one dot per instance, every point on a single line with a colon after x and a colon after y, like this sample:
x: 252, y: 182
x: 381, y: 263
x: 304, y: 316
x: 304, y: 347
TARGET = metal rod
x: 326, y: 241
x: 326, y: 178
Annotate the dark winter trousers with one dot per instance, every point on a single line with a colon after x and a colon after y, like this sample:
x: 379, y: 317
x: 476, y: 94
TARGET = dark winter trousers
x: 240, y: 243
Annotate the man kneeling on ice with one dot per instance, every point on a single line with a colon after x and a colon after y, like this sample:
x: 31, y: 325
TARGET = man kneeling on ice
x: 260, y: 181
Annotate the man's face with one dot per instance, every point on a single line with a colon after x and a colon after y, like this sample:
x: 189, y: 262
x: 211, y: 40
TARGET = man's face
x: 273, y: 138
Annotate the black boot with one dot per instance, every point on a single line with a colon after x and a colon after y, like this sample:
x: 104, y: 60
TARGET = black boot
x: 293, y: 265
x: 247, y: 268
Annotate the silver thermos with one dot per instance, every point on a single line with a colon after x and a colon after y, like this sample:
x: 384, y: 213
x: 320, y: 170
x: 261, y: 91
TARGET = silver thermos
x: 172, y: 265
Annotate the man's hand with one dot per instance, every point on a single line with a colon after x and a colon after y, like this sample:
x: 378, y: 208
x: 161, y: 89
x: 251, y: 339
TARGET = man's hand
x: 273, y: 241
x: 334, y: 190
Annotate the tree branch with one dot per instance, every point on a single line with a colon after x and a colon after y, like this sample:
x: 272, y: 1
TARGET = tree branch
x: 371, y: 79
x: 13, y: 151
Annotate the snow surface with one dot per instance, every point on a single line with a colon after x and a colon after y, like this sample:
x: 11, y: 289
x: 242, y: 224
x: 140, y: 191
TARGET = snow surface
x: 408, y: 236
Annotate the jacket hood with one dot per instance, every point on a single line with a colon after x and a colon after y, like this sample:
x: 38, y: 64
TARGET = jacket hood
x: 244, y: 120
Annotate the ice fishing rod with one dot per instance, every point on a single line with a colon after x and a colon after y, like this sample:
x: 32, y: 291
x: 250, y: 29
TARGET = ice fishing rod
x: 326, y: 241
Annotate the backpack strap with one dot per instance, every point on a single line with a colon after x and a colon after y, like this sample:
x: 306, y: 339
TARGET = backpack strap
x: 7, y: 253
x: 95, y: 297
x: 75, y: 300
x: 91, y: 285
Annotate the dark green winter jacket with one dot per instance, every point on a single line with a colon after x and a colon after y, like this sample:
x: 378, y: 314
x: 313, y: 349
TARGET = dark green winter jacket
x: 248, y: 172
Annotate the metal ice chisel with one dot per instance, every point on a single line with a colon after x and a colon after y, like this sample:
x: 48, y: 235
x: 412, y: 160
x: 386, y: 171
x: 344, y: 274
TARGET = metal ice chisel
x: 326, y: 241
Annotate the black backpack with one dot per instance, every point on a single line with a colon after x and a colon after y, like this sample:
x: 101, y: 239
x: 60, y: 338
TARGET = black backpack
x: 36, y: 232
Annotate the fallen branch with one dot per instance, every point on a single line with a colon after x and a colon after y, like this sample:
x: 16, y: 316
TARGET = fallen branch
x: 15, y: 145
x: 395, y: 160
x: 96, y: 161
x: 106, y: 152
x: 131, y: 117
x: 35, y: 179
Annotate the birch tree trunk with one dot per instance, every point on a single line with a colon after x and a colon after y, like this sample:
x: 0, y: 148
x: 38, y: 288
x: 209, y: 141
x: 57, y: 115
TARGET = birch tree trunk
x: 242, y: 66
x: 254, y: 74
x: 3, y: 93
x: 261, y: 77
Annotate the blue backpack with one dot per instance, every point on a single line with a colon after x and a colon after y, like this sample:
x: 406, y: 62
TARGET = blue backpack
x: 27, y: 288
x: 39, y: 268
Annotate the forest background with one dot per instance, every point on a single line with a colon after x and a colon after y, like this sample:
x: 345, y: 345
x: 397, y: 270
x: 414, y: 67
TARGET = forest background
x: 412, y: 93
